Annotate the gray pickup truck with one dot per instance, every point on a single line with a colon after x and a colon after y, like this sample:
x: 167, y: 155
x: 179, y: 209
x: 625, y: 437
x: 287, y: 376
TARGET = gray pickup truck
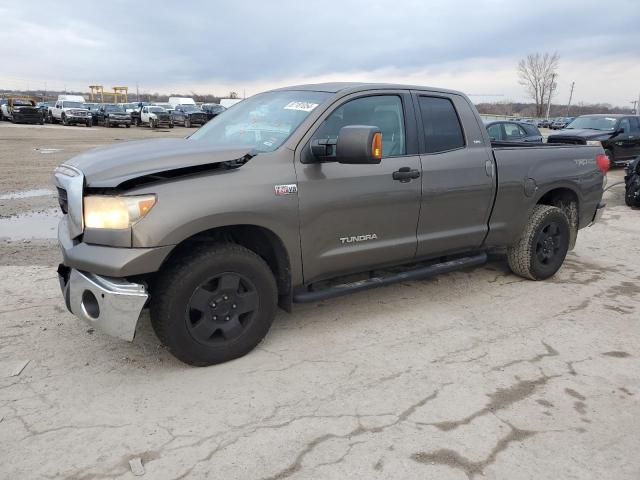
x: 301, y: 194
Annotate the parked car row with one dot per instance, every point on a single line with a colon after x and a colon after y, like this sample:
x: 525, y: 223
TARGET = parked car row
x: 74, y: 110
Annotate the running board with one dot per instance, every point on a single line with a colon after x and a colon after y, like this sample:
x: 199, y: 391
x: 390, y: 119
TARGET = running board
x: 415, y: 274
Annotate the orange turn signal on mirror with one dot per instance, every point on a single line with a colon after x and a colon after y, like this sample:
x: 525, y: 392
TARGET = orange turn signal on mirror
x: 376, y: 146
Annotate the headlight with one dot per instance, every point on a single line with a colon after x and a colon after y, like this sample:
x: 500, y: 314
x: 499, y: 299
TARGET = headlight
x: 152, y: 115
x: 16, y: 109
x: 105, y: 211
x: 594, y: 143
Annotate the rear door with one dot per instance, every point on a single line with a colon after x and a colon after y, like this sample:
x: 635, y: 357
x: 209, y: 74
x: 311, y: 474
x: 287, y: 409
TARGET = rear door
x: 635, y: 135
x: 624, y: 145
x: 458, y: 181
x: 358, y: 217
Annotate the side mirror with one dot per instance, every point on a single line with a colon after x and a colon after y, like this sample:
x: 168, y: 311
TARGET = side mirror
x: 359, y: 144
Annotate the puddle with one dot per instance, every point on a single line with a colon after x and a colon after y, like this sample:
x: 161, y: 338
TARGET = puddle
x: 40, y: 225
x: 39, y: 192
x: 47, y: 150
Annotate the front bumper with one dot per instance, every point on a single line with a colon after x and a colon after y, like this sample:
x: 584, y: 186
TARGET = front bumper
x: 120, y: 121
x: 27, y: 118
x: 78, y: 119
x: 111, y: 305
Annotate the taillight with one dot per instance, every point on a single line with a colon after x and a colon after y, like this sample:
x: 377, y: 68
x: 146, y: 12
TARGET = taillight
x: 603, y: 163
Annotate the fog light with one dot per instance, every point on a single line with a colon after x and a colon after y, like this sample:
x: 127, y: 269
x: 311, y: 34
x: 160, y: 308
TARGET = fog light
x: 90, y: 305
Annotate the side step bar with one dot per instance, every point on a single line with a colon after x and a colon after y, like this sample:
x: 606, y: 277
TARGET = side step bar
x: 415, y: 274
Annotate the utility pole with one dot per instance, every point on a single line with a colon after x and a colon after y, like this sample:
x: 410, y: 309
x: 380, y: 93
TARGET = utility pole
x: 570, y: 97
x: 553, y: 82
x: 635, y: 106
x: 137, y: 93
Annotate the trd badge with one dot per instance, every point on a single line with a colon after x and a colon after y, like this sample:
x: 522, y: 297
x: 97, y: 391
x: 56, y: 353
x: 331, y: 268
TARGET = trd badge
x: 282, y: 190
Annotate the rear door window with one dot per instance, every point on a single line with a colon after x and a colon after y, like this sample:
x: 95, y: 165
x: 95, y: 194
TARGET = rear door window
x: 442, y: 129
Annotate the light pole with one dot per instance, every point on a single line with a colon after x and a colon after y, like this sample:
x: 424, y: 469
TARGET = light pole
x: 553, y: 82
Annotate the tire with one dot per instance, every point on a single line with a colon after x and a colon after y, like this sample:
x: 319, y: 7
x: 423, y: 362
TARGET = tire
x: 89, y: 123
x: 187, y: 122
x: 609, y: 154
x: 64, y: 120
x: 543, y: 245
x: 127, y: 125
x: 193, y: 290
x: 107, y: 123
x: 171, y: 125
x: 152, y: 124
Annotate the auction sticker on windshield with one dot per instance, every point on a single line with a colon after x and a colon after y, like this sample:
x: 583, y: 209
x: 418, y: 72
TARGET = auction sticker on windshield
x: 302, y: 106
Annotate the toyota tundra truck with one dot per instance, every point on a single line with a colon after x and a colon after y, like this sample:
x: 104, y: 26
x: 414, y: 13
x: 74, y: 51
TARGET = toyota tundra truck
x: 302, y: 194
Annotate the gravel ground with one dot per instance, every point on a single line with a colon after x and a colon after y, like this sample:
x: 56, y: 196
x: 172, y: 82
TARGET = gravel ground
x: 472, y: 374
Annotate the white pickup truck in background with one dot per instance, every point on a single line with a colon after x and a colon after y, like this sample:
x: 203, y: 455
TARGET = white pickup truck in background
x: 70, y: 110
x: 155, y: 116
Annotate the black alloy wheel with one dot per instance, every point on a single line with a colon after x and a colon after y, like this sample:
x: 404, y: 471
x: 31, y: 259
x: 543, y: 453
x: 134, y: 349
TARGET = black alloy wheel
x: 222, y: 308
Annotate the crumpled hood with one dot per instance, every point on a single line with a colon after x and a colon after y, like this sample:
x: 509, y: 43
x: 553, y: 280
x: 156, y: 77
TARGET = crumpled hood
x: 107, y: 167
x: 587, y: 134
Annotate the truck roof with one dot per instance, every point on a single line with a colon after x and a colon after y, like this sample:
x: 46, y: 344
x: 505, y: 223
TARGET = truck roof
x: 349, y: 87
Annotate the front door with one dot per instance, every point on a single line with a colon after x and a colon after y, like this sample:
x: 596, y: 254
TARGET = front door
x: 357, y: 217
x: 458, y: 176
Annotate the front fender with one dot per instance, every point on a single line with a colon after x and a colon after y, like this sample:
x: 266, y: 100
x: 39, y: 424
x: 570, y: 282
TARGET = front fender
x: 242, y: 196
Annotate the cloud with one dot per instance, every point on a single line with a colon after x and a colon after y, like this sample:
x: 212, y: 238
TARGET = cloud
x: 256, y: 44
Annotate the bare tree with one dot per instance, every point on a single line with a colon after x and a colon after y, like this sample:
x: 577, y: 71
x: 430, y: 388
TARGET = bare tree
x: 536, y: 74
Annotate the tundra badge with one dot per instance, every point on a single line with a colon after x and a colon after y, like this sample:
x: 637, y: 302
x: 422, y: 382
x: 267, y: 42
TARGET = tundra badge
x: 282, y: 190
x: 358, y: 238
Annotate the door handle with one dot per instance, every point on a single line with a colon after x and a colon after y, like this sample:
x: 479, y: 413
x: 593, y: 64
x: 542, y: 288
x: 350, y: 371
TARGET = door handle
x: 406, y: 174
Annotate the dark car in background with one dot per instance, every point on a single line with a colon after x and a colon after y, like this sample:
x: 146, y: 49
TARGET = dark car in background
x: 112, y: 115
x: 619, y: 135
x: 93, y: 111
x: 212, y: 110
x: 21, y: 110
x: 543, y: 123
x: 188, y: 115
x: 560, y: 123
x: 505, y: 131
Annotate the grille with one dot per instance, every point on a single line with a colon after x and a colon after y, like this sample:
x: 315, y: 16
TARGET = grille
x: 62, y: 200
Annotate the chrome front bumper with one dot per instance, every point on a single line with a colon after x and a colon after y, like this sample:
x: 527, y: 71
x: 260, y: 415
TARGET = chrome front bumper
x: 111, y: 305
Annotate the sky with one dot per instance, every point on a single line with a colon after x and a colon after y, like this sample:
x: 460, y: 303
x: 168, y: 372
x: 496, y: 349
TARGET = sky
x: 249, y: 46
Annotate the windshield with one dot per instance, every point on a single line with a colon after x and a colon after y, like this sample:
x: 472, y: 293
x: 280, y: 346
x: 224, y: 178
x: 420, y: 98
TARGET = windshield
x: 189, y: 108
x: 72, y: 105
x: 594, y: 123
x: 113, y: 108
x: 262, y: 122
x: 156, y: 109
x: 22, y: 103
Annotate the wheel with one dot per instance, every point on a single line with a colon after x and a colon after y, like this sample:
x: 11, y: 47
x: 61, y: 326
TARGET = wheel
x: 171, y: 125
x: 64, y: 119
x: 214, y: 304
x: 187, y: 122
x: 152, y: 123
x: 543, y: 245
x: 127, y: 125
x: 89, y: 123
x: 41, y: 121
x: 107, y: 123
x: 609, y: 154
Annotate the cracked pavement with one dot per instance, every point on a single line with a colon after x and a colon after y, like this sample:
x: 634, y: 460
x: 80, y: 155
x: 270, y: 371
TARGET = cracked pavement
x: 472, y: 374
